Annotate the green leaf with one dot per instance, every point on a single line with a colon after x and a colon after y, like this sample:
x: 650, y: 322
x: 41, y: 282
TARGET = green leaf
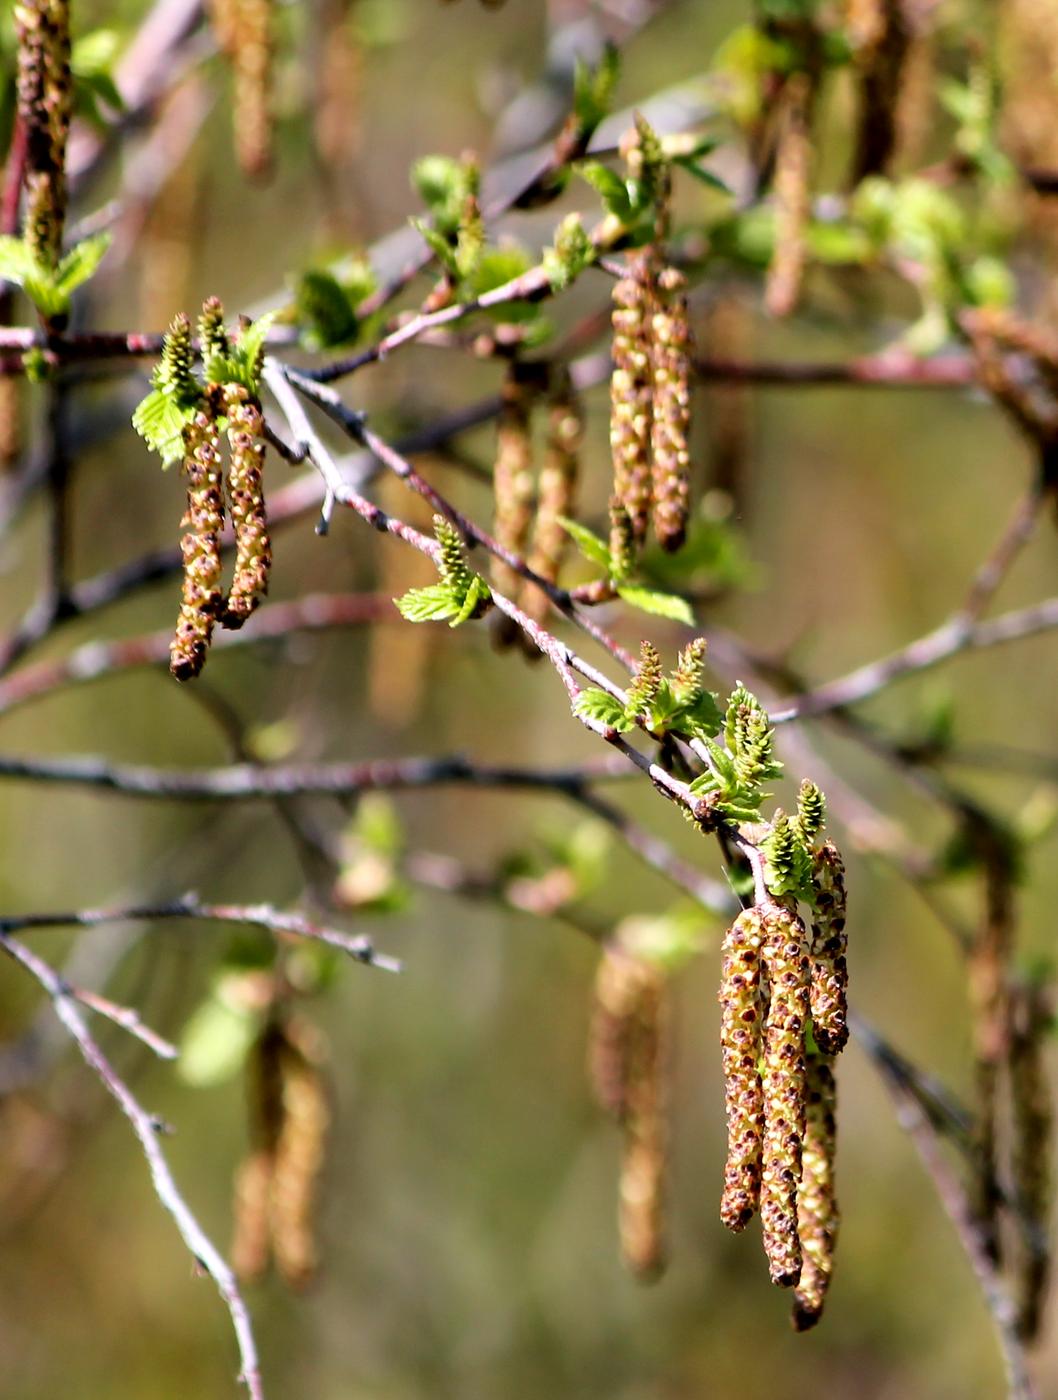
x: 17, y: 262
x: 216, y: 1040
x: 570, y: 254
x: 478, y: 594
x: 700, y: 173
x: 589, y: 543
x: 614, y: 192
x: 80, y: 263
x: 704, y: 718
x: 160, y: 420
x: 593, y: 89
x: 438, y: 244
x: 324, y: 310
x: 649, y: 600
x: 604, y: 709
x: 441, y: 183
x: 433, y: 603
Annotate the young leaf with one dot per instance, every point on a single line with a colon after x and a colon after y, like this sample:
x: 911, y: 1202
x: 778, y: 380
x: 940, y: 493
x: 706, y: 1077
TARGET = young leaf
x: 604, y: 709
x: 80, y: 264
x: 589, y: 543
x: 433, y: 603
x: 160, y: 420
x: 478, y: 594
x: 649, y: 600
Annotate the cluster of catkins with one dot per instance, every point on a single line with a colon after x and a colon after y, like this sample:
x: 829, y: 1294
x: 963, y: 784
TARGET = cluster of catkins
x: 204, y: 601
x: 784, y: 1018
x: 627, y: 1062
x: 277, y: 1183
x: 650, y: 404
x: 528, y: 508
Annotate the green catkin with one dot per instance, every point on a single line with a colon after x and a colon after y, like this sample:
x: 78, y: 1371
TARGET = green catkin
x: 212, y: 335
x: 512, y: 477
x: 557, y: 488
x: 671, y: 411
x: 632, y: 393
x: 647, y: 682
x: 740, y: 1038
x: 200, y: 547
x: 687, y: 677
x: 785, y: 952
x: 253, y: 558
x: 45, y: 98
x: 830, y: 976
x: 627, y: 1061
x: 792, y: 200
x: 818, y: 1217
x: 1033, y: 1164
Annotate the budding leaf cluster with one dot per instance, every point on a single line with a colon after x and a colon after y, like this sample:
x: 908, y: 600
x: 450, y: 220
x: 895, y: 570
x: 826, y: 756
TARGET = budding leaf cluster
x: 743, y: 762
x: 50, y: 288
x: 673, y: 704
x: 617, y: 565
x: 460, y: 595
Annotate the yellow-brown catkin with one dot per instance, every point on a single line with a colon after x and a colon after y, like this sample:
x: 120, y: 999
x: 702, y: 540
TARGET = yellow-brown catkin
x: 512, y: 477
x: 632, y: 393
x: 252, y: 1210
x: 628, y: 1065
x: 786, y: 968
x: 299, y: 1156
x: 45, y: 98
x: 1033, y: 1151
x: 793, y: 158
x: 244, y: 32
x: 253, y: 556
x: 10, y: 421
x: 200, y: 547
x: 818, y: 1217
x: 556, y: 492
x: 671, y: 346
x: 742, y: 1013
x: 830, y: 974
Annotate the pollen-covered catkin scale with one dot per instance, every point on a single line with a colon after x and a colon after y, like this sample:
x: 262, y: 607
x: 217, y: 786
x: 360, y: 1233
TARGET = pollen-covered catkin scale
x: 299, y: 1155
x: 557, y: 486
x: 830, y: 975
x: 784, y: 1081
x: 817, y: 1208
x: 200, y: 547
x: 253, y: 557
x: 792, y: 200
x: 631, y: 393
x: 740, y: 1037
x: 672, y: 411
x: 627, y: 1059
x: 45, y: 95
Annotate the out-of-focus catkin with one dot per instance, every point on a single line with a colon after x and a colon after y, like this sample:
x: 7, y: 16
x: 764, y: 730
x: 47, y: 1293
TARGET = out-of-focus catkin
x: 793, y: 160
x: 252, y: 1207
x: 786, y: 967
x: 670, y: 348
x: 556, y: 491
x: 45, y: 100
x: 512, y: 477
x: 253, y: 557
x: 632, y: 392
x: 817, y: 1208
x: 200, y: 547
x: 881, y: 38
x: 627, y: 1060
x: 742, y: 1012
x: 299, y: 1155
x: 244, y: 32
x: 1033, y: 1150
x: 830, y: 976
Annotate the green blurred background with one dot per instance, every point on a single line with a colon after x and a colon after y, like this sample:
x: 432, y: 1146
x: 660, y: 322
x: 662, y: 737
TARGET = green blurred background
x: 468, y: 1212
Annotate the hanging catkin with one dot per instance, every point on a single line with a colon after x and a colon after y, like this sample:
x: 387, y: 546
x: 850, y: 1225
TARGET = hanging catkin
x: 253, y: 557
x: 787, y: 970
x: 740, y: 1034
x: 830, y: 976
x: 1033, y: 1151
x: 299, y: 1155
x: 45, y: 97
x: 792, y: 199
x: 200, y: 547
x: 512, y: 479
x: 556, y: 491
x: 670, y: 350
x: 628, y: 1064
x: 632, y: 393
x: 817, y: 1208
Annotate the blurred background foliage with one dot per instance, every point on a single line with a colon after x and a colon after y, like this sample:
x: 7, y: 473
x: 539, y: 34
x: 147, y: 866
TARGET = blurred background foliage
x: 467, y: 1225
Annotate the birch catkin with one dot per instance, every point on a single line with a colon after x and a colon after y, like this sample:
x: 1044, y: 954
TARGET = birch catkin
x: 670, y: 351
x: 792, y: 200
x: 299, y: 1157
x: 627, y: 1059
x: 787, y: 970
x: 631, y: 393
x: 556, y: 493
x: 200, y: 547
x: 817, y: 1208
x: 740, y: 1034
x: 253, y: 558
x: 513, y: 475
x: 830, y: 977
x: 45, y: 98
